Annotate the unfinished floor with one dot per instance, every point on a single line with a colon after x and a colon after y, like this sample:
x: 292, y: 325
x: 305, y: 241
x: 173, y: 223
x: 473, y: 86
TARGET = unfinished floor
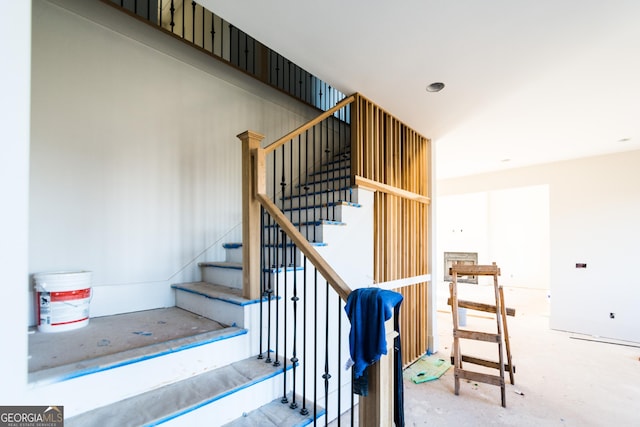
x: 562, y: 379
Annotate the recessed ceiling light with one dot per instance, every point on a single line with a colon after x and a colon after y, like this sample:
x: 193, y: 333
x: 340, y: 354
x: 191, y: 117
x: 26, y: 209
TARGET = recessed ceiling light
x: 505, y: 160
x: 435, y: 87
x: 624, y: 139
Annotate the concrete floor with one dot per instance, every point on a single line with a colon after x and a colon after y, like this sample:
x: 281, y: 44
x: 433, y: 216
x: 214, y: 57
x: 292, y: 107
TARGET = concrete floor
x: 562, y: 379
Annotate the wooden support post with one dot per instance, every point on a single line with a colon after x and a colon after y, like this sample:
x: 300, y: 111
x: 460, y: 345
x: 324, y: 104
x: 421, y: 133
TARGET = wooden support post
x: 250, y: 214
x: 376, y: 409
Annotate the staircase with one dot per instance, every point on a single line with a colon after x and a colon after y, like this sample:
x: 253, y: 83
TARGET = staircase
x: 216, y: 378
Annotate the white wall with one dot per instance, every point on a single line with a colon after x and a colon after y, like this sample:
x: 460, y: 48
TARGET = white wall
x: 509, y: 227
x: 594, y: 204
x: 135, y: 167
x: 595, y: 213
x: 15, y: 41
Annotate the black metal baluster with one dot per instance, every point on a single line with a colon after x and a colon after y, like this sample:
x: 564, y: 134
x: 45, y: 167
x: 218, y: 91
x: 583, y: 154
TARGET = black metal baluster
x: 304, y: 410
x: 283, y: 183
x: 289, y: 76
x: 213, y: 34
x: 331, y: 132
x: 326, y: 98
x: 193, y: 22
x: 315, y: 345
x: 339, y: 358
x: 222, y: 21
x: 253, y: 42
x: 262, y: 281
x: 269, y: 296
x: 272, y: 263
x: 326, y: 376
x: 160, y: 15
x: 278, y: 71
x: 290, y: 175
x: 285, y: 324
x: 300, y: 89
x: 271, y: 73
x: 172, y: 9
x: 353, y: 398
x: 313, y: 202
x: 182, y: 18
x: 300, y: 223
x: 276, y: 362
x: 294, y: 354
x: 325, y: 181
x: 342, y: 150
x: 203, y: 25
x: 306, y: 187
x: 246, y: 52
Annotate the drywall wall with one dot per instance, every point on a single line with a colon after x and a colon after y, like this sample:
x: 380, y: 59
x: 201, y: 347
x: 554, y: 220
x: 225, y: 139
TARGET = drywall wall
x: 135, y: 164
x: 15, y: 44
x: 594, y: 204
x: 509, y: 227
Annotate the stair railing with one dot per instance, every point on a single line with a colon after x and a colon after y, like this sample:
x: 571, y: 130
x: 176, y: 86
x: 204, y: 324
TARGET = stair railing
x: 199, y: 27
x: 384, y: 155
x: 307, y: 334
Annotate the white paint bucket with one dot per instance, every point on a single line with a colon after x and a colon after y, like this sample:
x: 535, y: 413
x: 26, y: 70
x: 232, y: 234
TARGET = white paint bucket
x: 62, y: 300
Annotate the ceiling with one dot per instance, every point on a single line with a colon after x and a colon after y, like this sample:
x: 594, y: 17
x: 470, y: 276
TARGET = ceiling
x: 527, y: 81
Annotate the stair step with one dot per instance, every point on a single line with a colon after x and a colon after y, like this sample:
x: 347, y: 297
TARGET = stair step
x: 311, y: 223
x: 217, y: 302
x: 339, y: 203
x: 222, y: 264
x: 344, y: 162
x: 112, y: 341
x: 119, y: 356
x: 220, y: 396
x: 233, y: 252
x: 277, y: 414
x: 333, y: 179
x: 232, y: 245
x: 313, y: 231
x: 329, y: 211
x: 223, y: 273
x: 331, y: 167
x: 291, y: 245
x: 346, y: 190
x: 215, y: 292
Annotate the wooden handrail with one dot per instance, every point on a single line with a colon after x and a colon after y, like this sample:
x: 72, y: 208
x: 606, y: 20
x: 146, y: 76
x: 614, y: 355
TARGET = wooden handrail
x: 309, y: 125
x: 379, y: 186
x: 336, y: 282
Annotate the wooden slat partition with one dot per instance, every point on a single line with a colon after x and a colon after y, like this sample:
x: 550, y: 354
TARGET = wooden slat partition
x: 395, y: 160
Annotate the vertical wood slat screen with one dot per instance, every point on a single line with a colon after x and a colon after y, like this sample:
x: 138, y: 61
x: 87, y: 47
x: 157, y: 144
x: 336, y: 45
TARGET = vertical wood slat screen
x: 387, y: 151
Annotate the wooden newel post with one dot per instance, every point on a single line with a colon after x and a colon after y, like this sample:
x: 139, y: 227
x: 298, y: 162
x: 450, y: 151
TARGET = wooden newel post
x: 251, y: 153
x: 376, y: 409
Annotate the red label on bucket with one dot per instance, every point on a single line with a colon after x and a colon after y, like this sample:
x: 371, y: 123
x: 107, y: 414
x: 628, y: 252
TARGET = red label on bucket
x: 70, y: 295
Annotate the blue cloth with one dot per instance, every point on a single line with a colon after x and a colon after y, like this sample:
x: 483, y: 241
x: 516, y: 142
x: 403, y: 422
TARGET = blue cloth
x: 368, y: 309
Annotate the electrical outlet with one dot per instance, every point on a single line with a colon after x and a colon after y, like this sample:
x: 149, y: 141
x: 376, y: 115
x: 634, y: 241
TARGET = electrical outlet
x: 612, y: 315
x: 581, y: 265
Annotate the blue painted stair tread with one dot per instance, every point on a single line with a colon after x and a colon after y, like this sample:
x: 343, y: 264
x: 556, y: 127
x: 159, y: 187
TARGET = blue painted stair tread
x: 427, y: 368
